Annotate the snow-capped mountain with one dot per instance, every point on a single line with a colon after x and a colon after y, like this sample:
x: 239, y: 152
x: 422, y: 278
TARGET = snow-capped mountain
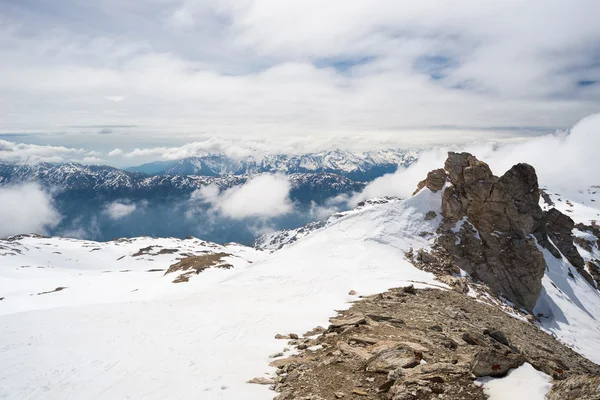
x: 357, y: 166
x: 161, y: 202
x: 187, y: 319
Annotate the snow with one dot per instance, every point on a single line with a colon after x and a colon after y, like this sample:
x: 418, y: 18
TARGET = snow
x: 203, y: 339
x: 582, y: 205
x: 523, y: 383
x: 570, y: 307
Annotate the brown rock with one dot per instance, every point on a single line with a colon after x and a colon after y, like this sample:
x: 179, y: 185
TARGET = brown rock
x: 262, y: 381
x: 498, y: 219
x: 352, y: 320
x: 435, y: 181
x: 389, y: 360
x: 493, y: 362
x: 576, y: 387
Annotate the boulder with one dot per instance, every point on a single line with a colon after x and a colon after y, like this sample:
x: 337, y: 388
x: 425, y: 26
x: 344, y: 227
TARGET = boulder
x: 495, y: 363
x: 390, y: 360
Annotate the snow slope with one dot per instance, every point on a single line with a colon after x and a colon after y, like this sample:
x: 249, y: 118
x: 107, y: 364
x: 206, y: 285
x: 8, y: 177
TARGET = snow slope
x: 570, y: 307
x: 197, y: 340
x: 523, y: 383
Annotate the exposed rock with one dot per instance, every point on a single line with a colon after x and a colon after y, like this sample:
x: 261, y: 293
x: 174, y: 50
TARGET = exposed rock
x: 389, y: 360
x: 560, y: 230
x: 575, y: 388
x: 498, y: 336
x: 346, y: 360
x: 430, y: 215
x: 490, y: 224
x: 494, y: 362
x: 352, y: 320
x: 435, y: 181
x: 262, y: 381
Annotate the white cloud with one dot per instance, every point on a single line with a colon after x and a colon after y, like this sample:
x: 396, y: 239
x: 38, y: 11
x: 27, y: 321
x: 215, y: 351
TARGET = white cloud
x: 118, y: 210
x: 562, y: 160
x: 26, y: 209
x: 31, y: 153
x: 92, y: 160
x: 386, y: 66
x: 115, y: 153
x: 264, y: 196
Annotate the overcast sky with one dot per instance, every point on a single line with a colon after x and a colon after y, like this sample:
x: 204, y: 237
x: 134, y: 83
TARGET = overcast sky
x: 93, y: 76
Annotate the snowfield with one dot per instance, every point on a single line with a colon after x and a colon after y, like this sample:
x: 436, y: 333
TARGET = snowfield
x: 121, y: 329
x: 136, y: 335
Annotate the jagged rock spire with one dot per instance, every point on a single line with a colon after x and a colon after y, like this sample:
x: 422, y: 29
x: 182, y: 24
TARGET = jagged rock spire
x: 490, y: 224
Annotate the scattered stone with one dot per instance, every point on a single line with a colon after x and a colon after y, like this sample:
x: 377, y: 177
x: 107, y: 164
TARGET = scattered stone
x: 498, y: 336
x: 495, y: 363
x: 575, y: 388
x: 430, y: 215
x: 389, y: 360
x: 436, y: 328
x: 409, y: 289
x: 355, y: 351
x: 352, y: 320
x: 58, y: 289
x: 293, y: 336
x: 262, y: 381
x: 276, y: 355
x: 360, y: 392
x: 280, y: 336
x: 352, y: 293
x: 339, y: 395
x: 473, y: 339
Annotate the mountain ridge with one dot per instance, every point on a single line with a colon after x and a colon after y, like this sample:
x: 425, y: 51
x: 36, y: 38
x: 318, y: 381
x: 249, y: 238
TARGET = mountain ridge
x: 356, y: 166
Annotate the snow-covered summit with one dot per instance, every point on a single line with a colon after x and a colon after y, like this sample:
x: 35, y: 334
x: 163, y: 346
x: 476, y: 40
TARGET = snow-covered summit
x: 357, y: 166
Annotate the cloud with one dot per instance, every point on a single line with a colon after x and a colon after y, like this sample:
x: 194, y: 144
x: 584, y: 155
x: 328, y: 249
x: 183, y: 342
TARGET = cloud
x: 92, y: 160
x: 567, y: 160
x: 32, y: 153
x: 115, y: 153
x: 264, y: 196
x: 117, y: 210
x: 26, y: 209
x: 381, y: 66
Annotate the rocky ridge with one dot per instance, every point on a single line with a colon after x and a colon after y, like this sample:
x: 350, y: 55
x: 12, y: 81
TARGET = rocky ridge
x: 409, y: 344
x: 494, y: 229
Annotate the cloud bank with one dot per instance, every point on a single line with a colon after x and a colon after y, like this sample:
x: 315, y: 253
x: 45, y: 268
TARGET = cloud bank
x: 238, y: 68
x: 264, y: 196
x: 563, y: 160
x: 26, y: 209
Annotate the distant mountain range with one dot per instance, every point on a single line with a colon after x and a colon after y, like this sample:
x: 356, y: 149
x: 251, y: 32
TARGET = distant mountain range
x: 162, y: 203
x: 356, y: 166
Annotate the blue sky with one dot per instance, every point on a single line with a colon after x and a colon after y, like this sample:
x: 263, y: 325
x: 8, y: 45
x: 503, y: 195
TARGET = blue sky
x: 346, y: 73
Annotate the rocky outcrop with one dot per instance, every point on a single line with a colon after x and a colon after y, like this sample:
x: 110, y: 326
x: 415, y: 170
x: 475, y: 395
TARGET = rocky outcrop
x: 423, y: 344
x: 435, y: 181
x: 576, y: 388
x: 490, y: 225
x: 560, y: 230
